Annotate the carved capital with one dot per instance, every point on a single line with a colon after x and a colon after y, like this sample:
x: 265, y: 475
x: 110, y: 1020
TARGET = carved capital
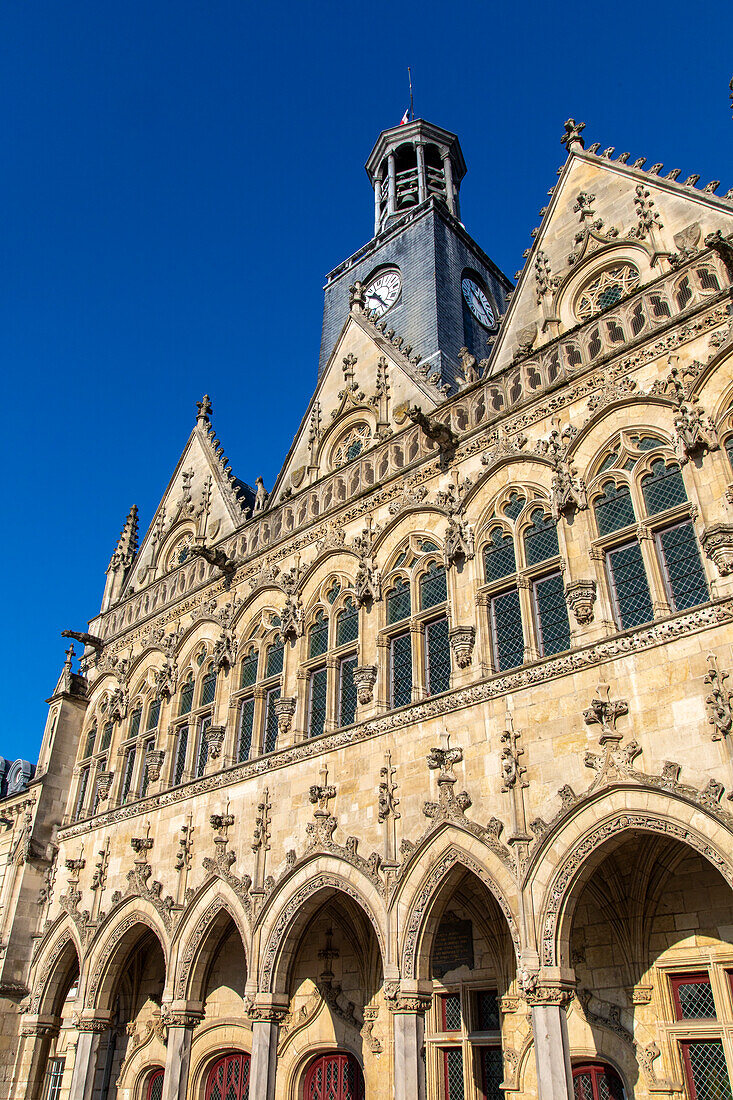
x: 365, y: 677
x: 462, y: 640
x: 717, y: 542
x: 581, y: 595
x: 284, y: 709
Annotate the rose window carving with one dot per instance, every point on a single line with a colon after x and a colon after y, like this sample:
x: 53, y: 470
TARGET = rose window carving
x: 181, y: 552
x: 351, y: 445
x: 613, y: 284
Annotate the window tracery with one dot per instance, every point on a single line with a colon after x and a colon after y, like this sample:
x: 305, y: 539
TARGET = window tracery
x: 351, y: 444
x: 606, y: 289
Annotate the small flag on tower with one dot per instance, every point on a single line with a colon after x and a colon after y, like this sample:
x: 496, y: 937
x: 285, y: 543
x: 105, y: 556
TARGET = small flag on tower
x: 405, y: 118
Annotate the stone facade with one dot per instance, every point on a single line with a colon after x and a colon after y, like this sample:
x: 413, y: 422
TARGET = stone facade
x: 417, y: 769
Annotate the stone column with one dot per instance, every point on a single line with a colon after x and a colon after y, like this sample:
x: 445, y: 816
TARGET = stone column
x: 392, y: 199
x: 178, y: 1054
x: 266, y: 1021
x: 450, y: 197
x: 377, y: 202
x: 30, y: 1064
x: 89, y: 1031
x: 551, y: 1043
x: 422, y: 186
x: 408, y: 1013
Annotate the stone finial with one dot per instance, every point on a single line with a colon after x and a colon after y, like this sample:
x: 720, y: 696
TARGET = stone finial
x: 571, y: 139
x: 604, y: 711
x: 204, y: 410
x: 357, y: 296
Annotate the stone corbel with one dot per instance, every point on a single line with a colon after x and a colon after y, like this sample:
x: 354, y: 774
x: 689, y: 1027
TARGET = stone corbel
x: 215, y: 736
x: 717, y: 542
x: 365, y: 677
x: 285, y: 711
x: 581, y: 596
x: 462, y: 641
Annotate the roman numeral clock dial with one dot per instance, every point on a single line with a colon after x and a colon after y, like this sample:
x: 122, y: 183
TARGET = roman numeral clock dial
x: 383, y: 291
x: 478, y: 303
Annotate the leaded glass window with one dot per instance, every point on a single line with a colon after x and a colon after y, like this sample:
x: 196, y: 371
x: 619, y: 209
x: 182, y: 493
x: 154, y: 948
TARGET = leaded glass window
x: 91, y: 738
x: 208, y: 687
x: 706, y: 1069
x: 453, y: 1073
x: 128, y: 768
x: 275, y: 658
x: 249, y: 668
x: 433, y: 587
x: 187, y: 695
x: 106, y: 736
x: 684, y: 575
x: 399, y: 604
x: 347, y: 623
x: 499, y: 555
x: 514, y: 504
x: 271, y: 719
x: 153, y: 715
x: 693, y: 997
x: 451, y: 1011
x: 155, y: 1088
x: 553, y: 626
x: 318, y: 636
x: 614, y: 509
x: 629, y: 587
x: 492, y: 1073
x: 506, y: 630
x: 663, y: 487
x: 437, y: 656
x: 202, y: 751
x: 347, y: 691
x: 401, y: 669
x: 54, y: 1077
x: 729, y: 449
x: 81, y: 793
x: 135, y: 721
x: 540, y: 540
x: 179, y: 766
x: 246, y: 726
x: 487, y: 1010
x: 317, y: 702
x: 606, y: 289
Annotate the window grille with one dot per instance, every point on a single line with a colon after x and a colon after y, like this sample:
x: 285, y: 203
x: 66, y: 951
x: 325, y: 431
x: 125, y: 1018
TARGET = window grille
x: 127, y: 774
x: 271, y: 719
x: 246, y: 727
x: 180, y: 764
x: 187, y: 696
x: 683, y: 572
x: 437, y: 656
x: 347, y: 623
x: 433, y: 587
x: 499, y: 558
x: 453, y: 1073
x: 514, y: 504
x: 275, y: 658
x: 106, y: 736
x: 81, y: 793
x: 317, y: 705
x: 540, y: 540
x: 596, y: 1081
x: 487, y: 1010
x: 202, y: 752
x: 706, y: 1069
x: 54, y: 1077
x: 663, y: 488
x: 347, y: 691
x: 451, y: 1012
x: 693, y: 997
x: 659, y: 306
x: 318, y: 636
x: 135, y: 721
x: 401, y: 669
x: 492, y: 1072
x: 614, y: 509
x: 91, y: 738
x: 629, y: 587
x: 153, y: 715
x: 399, y: 605
x: 707, y: 279
x: 249, y: 669
x: 553, y: 626
x: 155, y: 1087
x: 506, y: 630
x: 144, y: 777
x: 208, y: 687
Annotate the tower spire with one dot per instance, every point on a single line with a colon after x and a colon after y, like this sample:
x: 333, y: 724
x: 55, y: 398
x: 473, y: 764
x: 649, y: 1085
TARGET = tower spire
x: 127, y: 543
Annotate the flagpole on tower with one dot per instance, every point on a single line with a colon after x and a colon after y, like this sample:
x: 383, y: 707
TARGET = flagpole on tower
x: 409, y: 77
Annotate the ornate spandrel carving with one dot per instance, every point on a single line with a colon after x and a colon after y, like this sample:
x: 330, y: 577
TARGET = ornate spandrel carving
x: 567, y: 491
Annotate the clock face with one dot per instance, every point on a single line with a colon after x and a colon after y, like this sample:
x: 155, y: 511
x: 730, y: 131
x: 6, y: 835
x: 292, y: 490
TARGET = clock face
x: 383, y: 291
x: 478, y: 303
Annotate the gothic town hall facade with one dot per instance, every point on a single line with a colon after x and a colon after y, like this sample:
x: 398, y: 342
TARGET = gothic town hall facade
x: 411, y: 776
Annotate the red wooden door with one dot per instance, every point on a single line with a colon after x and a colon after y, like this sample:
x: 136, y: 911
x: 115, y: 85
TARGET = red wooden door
x: 334, y: 1077
x: 229, y: 1078
x: 596, y: 1081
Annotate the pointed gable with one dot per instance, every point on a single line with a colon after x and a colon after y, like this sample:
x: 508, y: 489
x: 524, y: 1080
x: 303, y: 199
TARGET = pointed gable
x: 203, y: 500
x: 604, y: 214
x: 370, y: 374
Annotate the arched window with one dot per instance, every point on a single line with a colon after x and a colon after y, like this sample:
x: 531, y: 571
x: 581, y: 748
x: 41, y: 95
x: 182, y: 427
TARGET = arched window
x: 186, y: 701
x: 663, y: 487
x: 499, y: 559
x: 332, y: 698
x: 596, y: 1081
x: 347, y: 623
x: 208, y: 686
x: 614, y: 508
x: 135, y: 719
x: 90, y: 741
x: 433, y: 595
x: 273, y: 668
x: 155, y: 1085
x: 540, y: 540
x: 275, y: 657
x: 606, y: 289
x: 248, y: 674
x: 106, y: 736
x: 399, y: 604
x: 334, y: 1076
x: 228, y: 1078
x: 318, y: 635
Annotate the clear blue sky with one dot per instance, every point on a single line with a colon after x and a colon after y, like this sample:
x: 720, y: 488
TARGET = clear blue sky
x: 176, y: 180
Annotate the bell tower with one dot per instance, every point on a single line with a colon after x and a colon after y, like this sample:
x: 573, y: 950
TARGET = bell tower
x: 426, y: 281
x: 410, y: 164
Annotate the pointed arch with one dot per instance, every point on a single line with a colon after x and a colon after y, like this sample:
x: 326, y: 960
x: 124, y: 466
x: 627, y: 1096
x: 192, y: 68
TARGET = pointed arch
x: 210, y: 912
x: 119, y: 935
x: 61, y: 951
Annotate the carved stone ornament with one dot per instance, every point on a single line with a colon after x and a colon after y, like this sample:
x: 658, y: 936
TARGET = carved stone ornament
x: 695, y: 431
x: 459, y: 544
x: 717, y: 542
x: 604, y: 712
x: 284, y: 709
x: 581, y: 596
x: 291, y: 619
x: 214, y: 741
x: 462, y: 640
x: 104, y: 783
x: 719, y: 701
x: 154, y: 763
x: 365, y: 677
